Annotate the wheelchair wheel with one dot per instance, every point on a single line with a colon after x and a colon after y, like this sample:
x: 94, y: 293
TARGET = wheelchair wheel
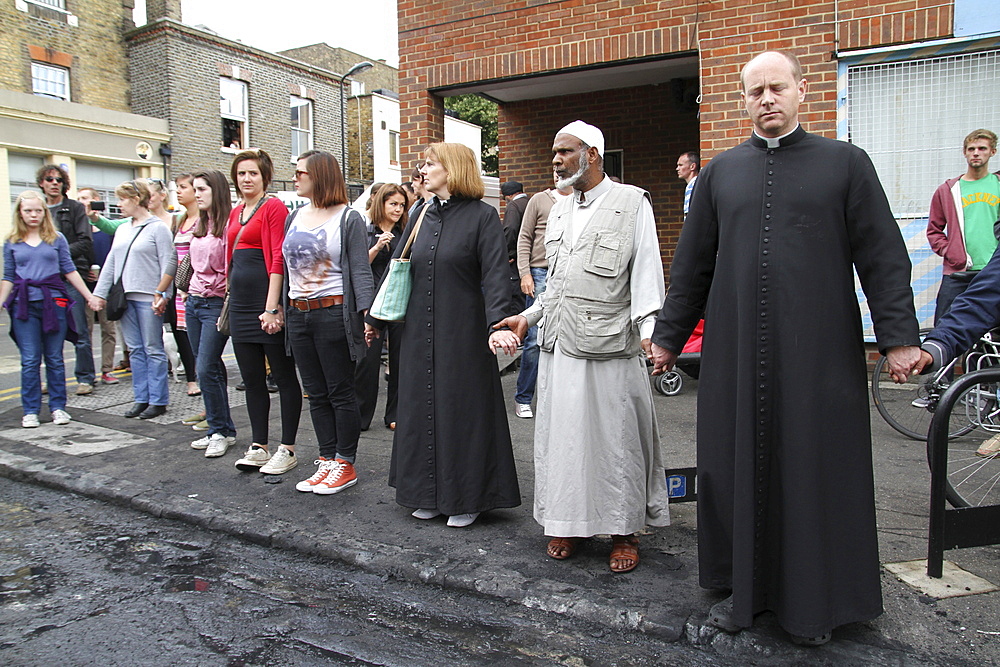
x: 669, y: 384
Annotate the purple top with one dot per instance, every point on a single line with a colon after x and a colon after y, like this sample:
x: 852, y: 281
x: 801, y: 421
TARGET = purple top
x: 36, y: 263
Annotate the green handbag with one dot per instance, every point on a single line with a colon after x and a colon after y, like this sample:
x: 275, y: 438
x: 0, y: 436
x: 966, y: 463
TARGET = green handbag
x: 390, y: 302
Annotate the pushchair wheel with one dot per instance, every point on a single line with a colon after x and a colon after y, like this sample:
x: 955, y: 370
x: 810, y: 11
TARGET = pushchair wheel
x: 669, y: 384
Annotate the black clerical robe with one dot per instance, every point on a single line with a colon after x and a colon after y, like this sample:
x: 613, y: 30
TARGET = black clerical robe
x: 786, y: 508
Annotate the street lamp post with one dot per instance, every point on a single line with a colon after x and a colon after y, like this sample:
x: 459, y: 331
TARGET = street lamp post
x: 360, y: 67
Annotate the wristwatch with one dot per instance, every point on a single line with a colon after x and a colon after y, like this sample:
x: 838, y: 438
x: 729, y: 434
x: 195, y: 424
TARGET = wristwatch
x: 272, y: 312
x: 163, y: 294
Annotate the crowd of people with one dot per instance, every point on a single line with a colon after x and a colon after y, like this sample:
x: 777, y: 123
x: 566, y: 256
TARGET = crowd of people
x: 774, y: 230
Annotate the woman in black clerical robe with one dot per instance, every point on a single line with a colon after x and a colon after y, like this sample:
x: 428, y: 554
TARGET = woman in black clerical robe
x: 451, y: 452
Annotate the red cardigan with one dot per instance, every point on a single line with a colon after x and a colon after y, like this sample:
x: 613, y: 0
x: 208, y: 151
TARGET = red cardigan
x: 264, y: 231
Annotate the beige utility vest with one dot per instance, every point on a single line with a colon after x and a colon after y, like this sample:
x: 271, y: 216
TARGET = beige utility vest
x: 588, y: 297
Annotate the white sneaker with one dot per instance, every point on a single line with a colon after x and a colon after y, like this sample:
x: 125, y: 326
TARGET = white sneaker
x: 523, y: 410
x: 462, y: 520
x: 307, y: 485
x: 255, y: 457
x: 218, y: 445
x: 60, y: 417
x: 201, y: 443
x: 425, y: 514
x: 282, y: 461
x: 30, y: 421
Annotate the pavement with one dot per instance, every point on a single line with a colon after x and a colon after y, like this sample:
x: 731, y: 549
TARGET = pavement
x: 149, y: 466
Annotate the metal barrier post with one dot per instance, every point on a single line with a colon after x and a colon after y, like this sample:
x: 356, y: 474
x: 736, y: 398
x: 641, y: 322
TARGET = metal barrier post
x: 961, y: 527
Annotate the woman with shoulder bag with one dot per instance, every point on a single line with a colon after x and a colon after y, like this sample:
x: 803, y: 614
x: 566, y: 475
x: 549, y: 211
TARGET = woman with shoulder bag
x: 206, y: 291
x: 256, y: 321
x: 182, y: 226
x: 384, y: 231
x: 143, y: 257
x: 452, y: 453
x: 328, y: 288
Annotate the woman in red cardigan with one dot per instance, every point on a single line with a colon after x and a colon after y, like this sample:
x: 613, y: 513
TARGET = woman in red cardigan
x: 256, y: 271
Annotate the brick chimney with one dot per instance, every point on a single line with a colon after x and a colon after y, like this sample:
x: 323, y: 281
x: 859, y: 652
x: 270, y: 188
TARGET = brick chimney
x: 159, y: 9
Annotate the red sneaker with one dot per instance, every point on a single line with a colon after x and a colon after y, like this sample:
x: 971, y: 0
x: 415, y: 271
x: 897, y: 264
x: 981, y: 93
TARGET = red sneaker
x: 340, y: 477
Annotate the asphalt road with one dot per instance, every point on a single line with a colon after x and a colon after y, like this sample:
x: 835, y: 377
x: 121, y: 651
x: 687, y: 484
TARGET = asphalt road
x: 499, y: 561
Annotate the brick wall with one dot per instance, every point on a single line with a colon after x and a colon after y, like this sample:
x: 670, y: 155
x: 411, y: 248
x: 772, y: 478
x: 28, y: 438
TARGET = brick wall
x: 93, y: 49
x: 340, y: 60
x: 444, y: 43
x: 365, y: 171
x: 176, y: 72
x: 651, y: 142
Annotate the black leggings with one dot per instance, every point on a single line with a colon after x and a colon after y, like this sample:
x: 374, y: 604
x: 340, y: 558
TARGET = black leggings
x: 250, y: 359
x: 183, y: 343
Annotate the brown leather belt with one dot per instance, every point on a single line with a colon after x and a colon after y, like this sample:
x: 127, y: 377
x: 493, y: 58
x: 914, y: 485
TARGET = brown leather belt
x: 316, y: 304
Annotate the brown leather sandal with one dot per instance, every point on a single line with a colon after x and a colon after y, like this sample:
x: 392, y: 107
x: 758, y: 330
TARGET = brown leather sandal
x: 624, y: 548
x: 562, y: 548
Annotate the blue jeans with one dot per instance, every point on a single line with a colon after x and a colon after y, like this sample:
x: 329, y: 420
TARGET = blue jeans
x: 207, y: 344
x: 143, y: 331
x: 84, y: 369
x: 323, y: 356
x: 34, y: 345
x: 529, y: 354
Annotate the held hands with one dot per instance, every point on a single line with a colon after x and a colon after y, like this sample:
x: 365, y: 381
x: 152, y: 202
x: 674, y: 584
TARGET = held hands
x: 663, y: 359
x: 371, y: 333
x: 528, y: 285
x: 272, y: 323
x: 925, y: 360
x: 904, y: 361
x: 159, y: 304
x: 96, y: 303
x: 508, y: 334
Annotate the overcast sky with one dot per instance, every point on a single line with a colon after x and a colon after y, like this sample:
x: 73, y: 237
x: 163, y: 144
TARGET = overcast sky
x: 367, y: 27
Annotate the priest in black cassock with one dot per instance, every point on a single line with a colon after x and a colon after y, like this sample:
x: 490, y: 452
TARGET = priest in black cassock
x: 786, y: 503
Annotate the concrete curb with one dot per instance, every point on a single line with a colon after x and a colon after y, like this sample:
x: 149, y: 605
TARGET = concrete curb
x: 485, y: 579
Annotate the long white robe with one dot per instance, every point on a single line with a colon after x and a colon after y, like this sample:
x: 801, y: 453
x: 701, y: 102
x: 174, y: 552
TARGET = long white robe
x: 597, y: 449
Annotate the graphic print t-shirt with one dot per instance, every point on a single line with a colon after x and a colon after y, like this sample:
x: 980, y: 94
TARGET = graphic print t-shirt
x: 312, y: 257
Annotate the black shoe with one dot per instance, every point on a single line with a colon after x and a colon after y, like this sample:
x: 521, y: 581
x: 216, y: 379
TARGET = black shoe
x: 153, y: 411
x: 272, y: 386
x: 810, y: 641
x: 241, y: 387
x: 721, y: 616
x: 136, y: 409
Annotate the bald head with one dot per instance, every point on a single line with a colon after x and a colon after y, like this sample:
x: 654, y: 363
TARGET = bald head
x: 773, y: 90
x: 769, y: 56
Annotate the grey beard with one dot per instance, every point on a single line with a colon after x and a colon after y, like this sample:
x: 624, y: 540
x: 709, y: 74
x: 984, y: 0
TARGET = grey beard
x: 567, y: 183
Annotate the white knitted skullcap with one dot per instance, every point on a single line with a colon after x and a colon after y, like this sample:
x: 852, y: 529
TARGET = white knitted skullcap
x: 586, y: 133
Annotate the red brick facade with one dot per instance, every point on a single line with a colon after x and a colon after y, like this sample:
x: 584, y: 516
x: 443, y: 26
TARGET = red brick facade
x: 445, y: 43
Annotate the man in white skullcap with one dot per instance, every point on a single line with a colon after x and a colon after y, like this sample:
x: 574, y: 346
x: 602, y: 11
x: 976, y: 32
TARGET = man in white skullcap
x: 597, y: 457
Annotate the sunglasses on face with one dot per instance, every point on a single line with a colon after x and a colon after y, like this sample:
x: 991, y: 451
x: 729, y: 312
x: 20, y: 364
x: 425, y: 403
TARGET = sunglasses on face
x: 53, y: 179
x: 299, y: 173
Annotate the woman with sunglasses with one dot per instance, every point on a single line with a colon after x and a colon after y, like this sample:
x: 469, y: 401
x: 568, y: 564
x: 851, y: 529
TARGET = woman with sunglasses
x: 328, y: 288
x: 255, y: 276
x: 384, y: 231
x: 143, y: 255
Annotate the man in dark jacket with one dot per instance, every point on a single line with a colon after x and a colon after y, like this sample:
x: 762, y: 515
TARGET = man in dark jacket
x: 70, y: 218
x: 513, y: 214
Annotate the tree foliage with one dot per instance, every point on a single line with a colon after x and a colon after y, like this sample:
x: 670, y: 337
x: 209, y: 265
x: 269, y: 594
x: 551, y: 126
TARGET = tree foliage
x: 483, y: 112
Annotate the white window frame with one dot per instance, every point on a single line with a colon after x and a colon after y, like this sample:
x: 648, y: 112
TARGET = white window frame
x: 59, y: 5
x: 54, y: 71
x: 393, y: 147
x: 301, y: 137
x: 229, y: 111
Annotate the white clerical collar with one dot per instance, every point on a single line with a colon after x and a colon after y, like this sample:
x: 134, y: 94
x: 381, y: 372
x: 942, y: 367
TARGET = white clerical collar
x: 585, y: 199
x: 774, y: 142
